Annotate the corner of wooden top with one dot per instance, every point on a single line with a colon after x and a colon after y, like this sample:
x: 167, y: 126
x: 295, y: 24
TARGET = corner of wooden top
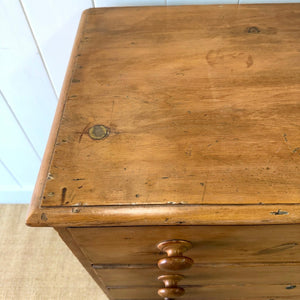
x: 32, y: 218
x: 87, y: 11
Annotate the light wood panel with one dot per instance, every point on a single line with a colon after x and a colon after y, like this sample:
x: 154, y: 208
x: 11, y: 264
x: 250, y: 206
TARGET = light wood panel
x: 257, y: 292
x: 198, y: 112
x: 90, y: 163
x: 206, y: 274
x: 195, y: 113
x: 137, y: 245
x: 164, y: 215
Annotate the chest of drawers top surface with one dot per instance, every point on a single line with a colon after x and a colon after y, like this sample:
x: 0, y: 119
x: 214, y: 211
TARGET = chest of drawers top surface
x: 193, y: 110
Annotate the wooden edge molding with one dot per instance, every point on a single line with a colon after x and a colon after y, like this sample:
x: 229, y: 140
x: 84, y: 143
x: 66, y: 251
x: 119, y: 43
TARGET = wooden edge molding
x: 148, y: 215
x: 48, y: 154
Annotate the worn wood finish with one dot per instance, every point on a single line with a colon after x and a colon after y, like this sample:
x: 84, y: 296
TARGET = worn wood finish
x: 47, y: 158
x: 180, y: 123
x: 163, y: 215
x: 175, y: 261
x: 171, y: 288
x: 164, y: 144
x: 137, y: 245
x: 201, y: 105
x: 250, y: 292
x: 174, y: 264
x: 202, y: 274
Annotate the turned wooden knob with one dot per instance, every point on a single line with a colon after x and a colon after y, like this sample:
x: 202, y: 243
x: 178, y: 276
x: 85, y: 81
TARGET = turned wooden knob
x: 175, y: 260
x: 171, y: 290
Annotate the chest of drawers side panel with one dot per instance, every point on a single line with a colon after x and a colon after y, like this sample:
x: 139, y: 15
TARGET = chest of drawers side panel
x: 67, y: 238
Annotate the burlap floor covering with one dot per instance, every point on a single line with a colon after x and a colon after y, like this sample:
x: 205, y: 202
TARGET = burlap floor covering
x: 36, y: 264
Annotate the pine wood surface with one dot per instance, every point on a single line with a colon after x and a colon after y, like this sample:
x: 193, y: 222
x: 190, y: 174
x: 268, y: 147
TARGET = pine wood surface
x: 36, y: 265
x: 266, y: 292
x: 136, y: 215
x: 202, y: 275
x: 211, y: 244
x: 201, y: 104
x: 179, y: 116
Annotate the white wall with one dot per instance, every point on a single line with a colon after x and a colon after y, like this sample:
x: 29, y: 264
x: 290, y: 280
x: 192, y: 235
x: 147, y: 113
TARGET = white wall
x: 36, y: 39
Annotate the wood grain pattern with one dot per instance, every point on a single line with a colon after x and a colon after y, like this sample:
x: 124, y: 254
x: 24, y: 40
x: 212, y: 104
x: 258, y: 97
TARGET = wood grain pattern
x: 44, y: 169
x: 137, y: 245
x: 126, y: 179
x: 202, y: 274
x: 201, y: 103
x: 256, y: 292
x: 136, y: 215
x: 180, y: 116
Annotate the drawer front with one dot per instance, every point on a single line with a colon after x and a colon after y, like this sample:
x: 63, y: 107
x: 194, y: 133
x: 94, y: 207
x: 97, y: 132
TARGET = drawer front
x: 258, y: 292
x: 211, y: 244
x: 212, y: 275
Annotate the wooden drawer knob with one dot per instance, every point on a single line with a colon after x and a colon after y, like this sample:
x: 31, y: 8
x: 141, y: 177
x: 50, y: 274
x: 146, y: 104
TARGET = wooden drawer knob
x: 171, y: 290
x: 175, y: 260
x: 175, y: 263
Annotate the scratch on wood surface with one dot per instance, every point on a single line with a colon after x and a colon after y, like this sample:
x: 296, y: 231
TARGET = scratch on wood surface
x: 75, y: 210
x: 279, y: 212
x: 84, y: 130
x: 277, y: 248
x: 253, y: 29
x: 296, y: 150
x: 63, y: 195
x: 290, y: 287
x: 188, y: 152
x: 73, y: 195
x: 44, y: 217
x: 224, y: 58
x: 249, y: 61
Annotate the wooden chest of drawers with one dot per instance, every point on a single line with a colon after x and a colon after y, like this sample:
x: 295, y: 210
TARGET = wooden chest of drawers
x: 175, y: 153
